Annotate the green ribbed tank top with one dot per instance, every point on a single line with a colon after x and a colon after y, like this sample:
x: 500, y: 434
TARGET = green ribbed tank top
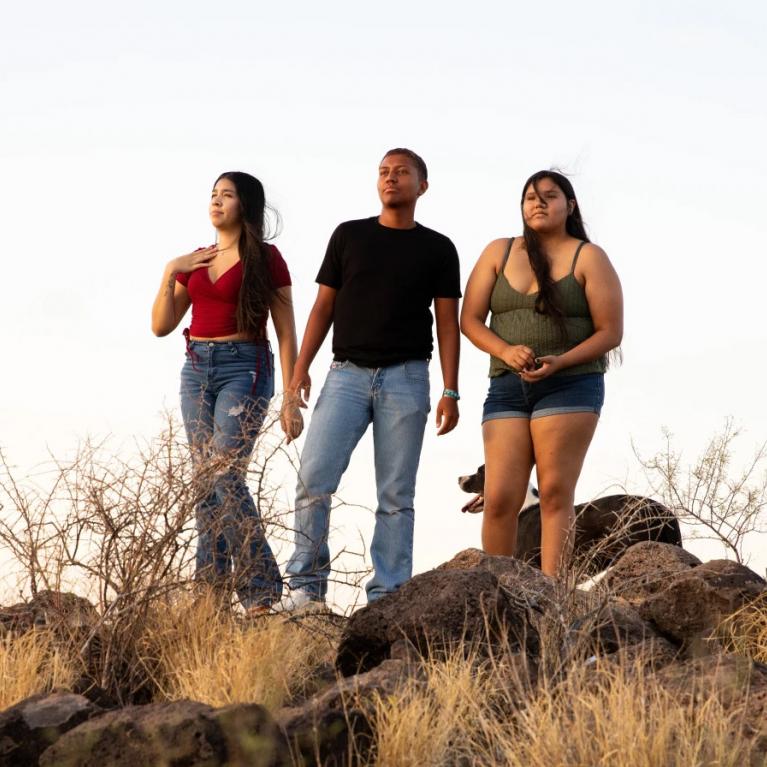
x: 514, y: 319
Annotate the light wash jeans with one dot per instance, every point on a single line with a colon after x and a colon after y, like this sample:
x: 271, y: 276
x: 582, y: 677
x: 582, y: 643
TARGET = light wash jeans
x: 395, y: 399
x: 225, y: 392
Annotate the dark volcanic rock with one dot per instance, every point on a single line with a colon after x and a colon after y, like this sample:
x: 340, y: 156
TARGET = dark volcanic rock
x: 696, y: 601
x: 434, y: 611
x: 643, y: 657
x: 54, y: 609
x: 738, y: 683
x: 33, y: 724
x: 512, y: 573
x: 611, y: 627
x: 645, y: 569
x: 180, y: 733
x: 683, y: 599
x: 324, y: 727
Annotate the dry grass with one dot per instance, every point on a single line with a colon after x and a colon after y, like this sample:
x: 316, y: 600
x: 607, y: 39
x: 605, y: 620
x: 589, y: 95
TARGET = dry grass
x: 32, y: 663
x: 126, y: 530
x: 426, y: 722
x: 599, y: 716
x: 204, y: 652
x: 621, y: 719
x: 745, y: 631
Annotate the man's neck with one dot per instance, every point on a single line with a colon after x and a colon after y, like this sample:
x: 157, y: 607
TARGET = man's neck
x: 398, y: 218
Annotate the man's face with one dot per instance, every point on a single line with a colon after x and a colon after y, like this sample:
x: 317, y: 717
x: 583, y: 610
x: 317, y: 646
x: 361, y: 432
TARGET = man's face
x: 399, y: 184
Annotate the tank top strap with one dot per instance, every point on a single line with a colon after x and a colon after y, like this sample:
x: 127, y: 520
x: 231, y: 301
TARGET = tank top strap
x: 575, y: 257
x: 506, y: 255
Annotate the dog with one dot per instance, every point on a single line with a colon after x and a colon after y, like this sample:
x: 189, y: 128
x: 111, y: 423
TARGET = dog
x: 475, y: 483
x: 604, y: 528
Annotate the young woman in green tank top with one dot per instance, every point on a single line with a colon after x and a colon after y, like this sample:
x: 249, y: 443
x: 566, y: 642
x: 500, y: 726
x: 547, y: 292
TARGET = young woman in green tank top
x: 556, y: 311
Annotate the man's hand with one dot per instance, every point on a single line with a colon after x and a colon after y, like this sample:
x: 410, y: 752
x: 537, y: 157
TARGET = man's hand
x: 447, y: 415
x: 300, y: 386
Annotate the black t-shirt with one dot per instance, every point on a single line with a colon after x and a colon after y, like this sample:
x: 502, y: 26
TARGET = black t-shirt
x: 386, y: 280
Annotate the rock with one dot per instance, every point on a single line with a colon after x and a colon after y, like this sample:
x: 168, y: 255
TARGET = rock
x: 434, y: 611
x: 323, y: 728
x: 58, y: 610
x: 648, y: 656
x: 179, y: 733
x: 645, y: 569
x: 86, y: 687
x: 613, y: 626
x: 695, y: 601
x: 739, y: 684
x: 251, y: 736
x: 732, y: 581
x: 513, y: 574
x: 32, y: 725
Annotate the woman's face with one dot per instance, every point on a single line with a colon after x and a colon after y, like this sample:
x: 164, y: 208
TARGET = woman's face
x: 224, y: 206
x: 547, y: 209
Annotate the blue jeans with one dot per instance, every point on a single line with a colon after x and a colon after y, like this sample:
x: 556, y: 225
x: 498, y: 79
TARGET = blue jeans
x: 225, y: 392
x: 395, y: 399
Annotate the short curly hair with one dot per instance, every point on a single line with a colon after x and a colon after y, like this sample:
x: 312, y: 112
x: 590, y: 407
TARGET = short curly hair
x: 417, y: 159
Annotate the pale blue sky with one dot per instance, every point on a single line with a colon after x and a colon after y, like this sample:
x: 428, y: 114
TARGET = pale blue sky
x: 114, y: 123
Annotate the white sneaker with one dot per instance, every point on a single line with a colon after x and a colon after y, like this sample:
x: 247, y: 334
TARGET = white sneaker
x: 297, y: 601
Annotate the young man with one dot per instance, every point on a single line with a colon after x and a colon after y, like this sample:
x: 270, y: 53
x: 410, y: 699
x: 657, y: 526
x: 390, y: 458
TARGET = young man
x: 376, y: 285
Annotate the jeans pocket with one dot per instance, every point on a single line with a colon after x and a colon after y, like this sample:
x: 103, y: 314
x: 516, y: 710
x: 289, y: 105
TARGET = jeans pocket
x: 339, y: 364
x: 417, y: 370
x: 244, y: 351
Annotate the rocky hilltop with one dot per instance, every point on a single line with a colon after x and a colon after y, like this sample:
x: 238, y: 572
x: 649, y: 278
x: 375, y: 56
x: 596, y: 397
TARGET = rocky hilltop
x: 660, y: 619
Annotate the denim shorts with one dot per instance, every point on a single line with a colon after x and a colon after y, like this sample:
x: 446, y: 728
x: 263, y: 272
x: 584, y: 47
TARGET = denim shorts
x: 511, y: 397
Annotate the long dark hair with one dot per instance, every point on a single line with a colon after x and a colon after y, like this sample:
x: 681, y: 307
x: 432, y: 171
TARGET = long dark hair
x: 547, y: 301
x: 257, y: 289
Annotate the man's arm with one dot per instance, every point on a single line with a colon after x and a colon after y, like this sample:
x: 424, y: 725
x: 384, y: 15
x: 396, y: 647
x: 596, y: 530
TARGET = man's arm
x: 448, y: 341
x: 317, y: 326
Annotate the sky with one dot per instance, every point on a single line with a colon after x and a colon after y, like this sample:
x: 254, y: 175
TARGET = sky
x: 116, y: 119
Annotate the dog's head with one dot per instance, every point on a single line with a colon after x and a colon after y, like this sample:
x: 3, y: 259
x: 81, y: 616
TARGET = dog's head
x: 473, y: 483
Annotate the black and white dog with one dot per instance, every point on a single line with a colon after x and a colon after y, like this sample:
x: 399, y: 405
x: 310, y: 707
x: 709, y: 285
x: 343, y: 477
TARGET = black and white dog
x: 604, y: 528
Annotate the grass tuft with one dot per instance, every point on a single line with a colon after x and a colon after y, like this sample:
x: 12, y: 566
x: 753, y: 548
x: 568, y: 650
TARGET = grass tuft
x: 32, y: 663
x: 204, y: 652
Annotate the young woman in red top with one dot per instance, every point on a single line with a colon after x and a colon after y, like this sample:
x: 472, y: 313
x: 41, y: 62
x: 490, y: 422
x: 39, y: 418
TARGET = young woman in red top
x: 228, y: 378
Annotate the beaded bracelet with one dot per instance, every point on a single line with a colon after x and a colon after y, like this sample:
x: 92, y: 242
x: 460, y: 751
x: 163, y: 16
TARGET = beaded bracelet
x: 451, y: 393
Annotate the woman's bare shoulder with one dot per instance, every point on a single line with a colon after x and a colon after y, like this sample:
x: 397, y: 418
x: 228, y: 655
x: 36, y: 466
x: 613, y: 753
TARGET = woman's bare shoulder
x: 495, y: 250
x: 594, y: 262
x: 593, y: 256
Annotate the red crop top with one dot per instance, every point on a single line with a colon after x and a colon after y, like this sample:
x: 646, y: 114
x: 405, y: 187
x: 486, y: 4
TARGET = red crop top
x: 214, y: 304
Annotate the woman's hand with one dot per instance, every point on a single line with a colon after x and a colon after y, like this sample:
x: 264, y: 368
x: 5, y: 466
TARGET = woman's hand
x: 519, y: 358
x: 548, y: 366
x: 193, y: 261
x: 291, y: 420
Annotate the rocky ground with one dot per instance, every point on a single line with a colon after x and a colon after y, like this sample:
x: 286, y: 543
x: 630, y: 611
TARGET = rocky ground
x: 658, y: 604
